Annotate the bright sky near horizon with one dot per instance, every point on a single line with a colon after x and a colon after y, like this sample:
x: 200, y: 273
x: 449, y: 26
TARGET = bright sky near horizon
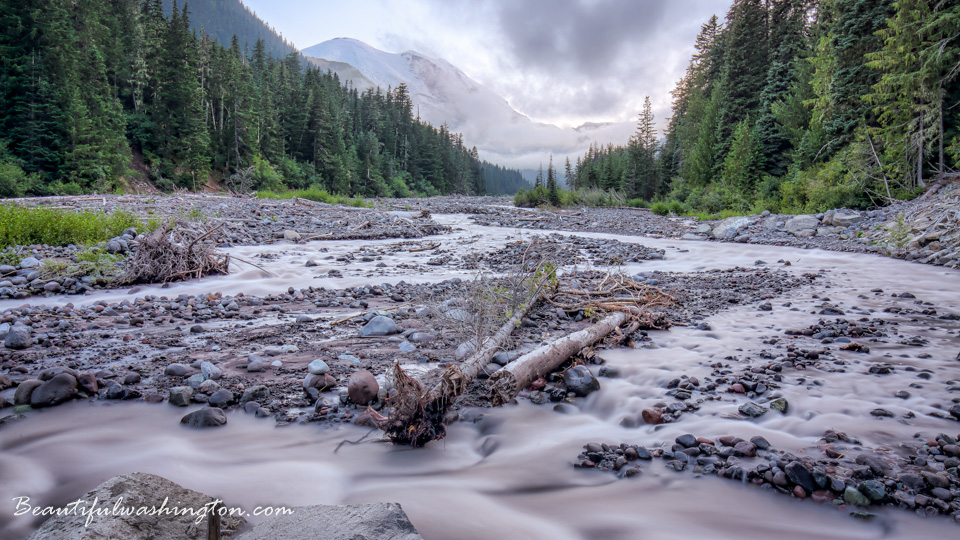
x: 563, y: 62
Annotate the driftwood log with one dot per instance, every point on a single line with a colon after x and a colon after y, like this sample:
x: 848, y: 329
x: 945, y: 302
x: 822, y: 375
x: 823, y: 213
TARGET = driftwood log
x: 418, y: 417
x: 508, y: 381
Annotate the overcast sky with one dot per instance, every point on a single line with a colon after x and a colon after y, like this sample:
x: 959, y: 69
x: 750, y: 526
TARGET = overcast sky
x: 563, y: 62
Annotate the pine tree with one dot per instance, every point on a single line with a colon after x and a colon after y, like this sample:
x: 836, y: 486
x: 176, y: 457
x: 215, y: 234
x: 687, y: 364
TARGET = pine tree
x: 553, y: 194
x: 745, y: 61
x: 842, y: 76
x: 919, y: 60
x: 741, y: 167
x: 787, y: 42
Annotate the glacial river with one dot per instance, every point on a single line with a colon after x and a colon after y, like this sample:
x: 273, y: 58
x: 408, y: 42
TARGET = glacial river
x: 511, y: 474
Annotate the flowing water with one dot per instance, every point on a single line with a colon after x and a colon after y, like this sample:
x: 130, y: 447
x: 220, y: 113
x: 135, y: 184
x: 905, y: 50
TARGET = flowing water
x: 510, y: 474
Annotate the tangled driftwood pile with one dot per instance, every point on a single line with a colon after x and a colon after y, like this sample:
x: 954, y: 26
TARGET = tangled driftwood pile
x: 174, y: 252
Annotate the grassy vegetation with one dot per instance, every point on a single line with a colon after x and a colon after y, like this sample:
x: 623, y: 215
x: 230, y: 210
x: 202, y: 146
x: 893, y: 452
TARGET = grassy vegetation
x: 316, y: 194
x: 540, y: 196
x: 57, y: 227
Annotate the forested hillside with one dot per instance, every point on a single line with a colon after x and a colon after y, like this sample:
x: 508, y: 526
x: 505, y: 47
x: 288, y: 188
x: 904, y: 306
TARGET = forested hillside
x: 96, y: 93
x: 223, y: 19
x: 802, y: 105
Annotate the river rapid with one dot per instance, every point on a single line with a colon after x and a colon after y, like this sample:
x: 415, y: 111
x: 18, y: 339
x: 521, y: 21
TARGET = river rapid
x: 510, y: 473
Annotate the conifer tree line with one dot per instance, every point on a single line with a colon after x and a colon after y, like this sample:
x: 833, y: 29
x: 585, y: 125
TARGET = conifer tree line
x: 94, y: 93
x: 801, y: 105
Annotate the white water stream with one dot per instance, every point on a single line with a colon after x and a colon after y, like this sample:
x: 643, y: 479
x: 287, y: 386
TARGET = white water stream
x: 510, y: 475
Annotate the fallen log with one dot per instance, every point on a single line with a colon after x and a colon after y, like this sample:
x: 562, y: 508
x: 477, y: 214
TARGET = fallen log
x: 418, y: 415
x: 508, y: 381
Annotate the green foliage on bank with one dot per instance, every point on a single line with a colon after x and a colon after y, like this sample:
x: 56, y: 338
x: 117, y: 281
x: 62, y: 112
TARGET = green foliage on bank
x: 22, y: 226
x: 315, y: 194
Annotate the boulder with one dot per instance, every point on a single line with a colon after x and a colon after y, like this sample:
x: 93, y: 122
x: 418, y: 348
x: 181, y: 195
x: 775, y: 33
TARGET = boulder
x: 220, y: 398
x: 204, y: 418
x: 422, y: 337
x: 136, y: 490
x: 55, y: 391
x: 362, y: 387
x: 209, y: 371
x: 19, y: 337
x: 29, y: 262
x: 320, y: 382
x: 801, y: 223
x: 25, y: 390
x: 178, y: 370
x: 180, y: 396
x: 375, y: 521
x: 846, y: 218
x: 580, y: 381
x: 318, y: 367
x: 772, y: 223
x: 379, y: 326
x: 728, y: 228
x: 291, y: 235
x: 259, y: 393
x: 752, y: 409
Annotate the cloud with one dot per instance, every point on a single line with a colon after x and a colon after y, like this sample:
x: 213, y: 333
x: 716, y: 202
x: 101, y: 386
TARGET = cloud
x: 576, y: 37
x: 563, y: 62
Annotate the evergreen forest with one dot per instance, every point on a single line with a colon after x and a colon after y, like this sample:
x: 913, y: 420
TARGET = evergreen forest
x: 98, y: 95
x: 799, y: 106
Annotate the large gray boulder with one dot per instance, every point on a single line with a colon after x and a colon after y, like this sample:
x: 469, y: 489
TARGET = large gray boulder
x: 380, y: 521
x: 728, y: 228
x: 137, y: 490
x: 379, y: 326
x: 846, y: 218
x: 803, y: 222
x: 18, y: 337
x: 205, y: 418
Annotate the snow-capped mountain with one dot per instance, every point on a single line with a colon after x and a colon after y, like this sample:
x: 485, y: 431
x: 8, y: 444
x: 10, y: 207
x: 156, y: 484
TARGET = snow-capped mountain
x: 441, y: 93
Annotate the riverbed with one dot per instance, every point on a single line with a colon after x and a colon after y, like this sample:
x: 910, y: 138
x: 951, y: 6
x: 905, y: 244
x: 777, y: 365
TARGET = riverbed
x: 509, y: 472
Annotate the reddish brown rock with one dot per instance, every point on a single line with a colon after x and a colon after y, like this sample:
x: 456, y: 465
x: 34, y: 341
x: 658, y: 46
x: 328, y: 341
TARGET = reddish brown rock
x: 88, y: 382
x: 799, y: 492
x: 362, y: 387
x: 537, y: 384
x: 652, y: 416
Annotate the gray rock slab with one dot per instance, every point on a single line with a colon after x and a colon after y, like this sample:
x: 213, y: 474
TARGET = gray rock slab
x: 137, y: 490
x: 381, y: 521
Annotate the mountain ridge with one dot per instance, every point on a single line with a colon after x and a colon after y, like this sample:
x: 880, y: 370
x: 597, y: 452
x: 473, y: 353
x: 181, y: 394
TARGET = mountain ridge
x: 444, y: 94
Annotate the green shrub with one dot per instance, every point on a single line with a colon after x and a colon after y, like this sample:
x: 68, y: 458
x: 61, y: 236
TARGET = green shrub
x: 676, y: 208
x: 638, y: 203
x: 399, y: 187
x: 531, y: 198
x: 660, y: 208
x: 57, y: 227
